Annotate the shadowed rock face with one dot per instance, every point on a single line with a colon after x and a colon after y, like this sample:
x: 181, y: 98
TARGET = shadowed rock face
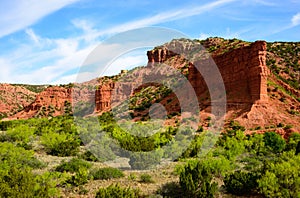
x: 243, y: 70
x: 244, y: 74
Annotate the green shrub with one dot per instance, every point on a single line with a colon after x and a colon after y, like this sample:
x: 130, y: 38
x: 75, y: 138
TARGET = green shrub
x: 74, y: 165
x: 89, y: 156
x: 274, y: 142
x: 281, y: 179
x: 18, y: 156
x: 81, y: 177
x: 132, y: 177
x: 115, y: 191
x: 106, y: 173
x: 171, y: 189
x: 20, y: 133
x: 144, y: 160
x: 196, y: 181
x: 16, y: 182
x: 60, y: 144
x: 146, y: 178
x: 293, y: 141
x: 240, y: 183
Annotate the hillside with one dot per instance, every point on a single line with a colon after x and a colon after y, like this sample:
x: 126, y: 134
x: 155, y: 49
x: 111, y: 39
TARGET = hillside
x: 257, y: 98
x: 50, y: 149
x: 14, y: 98
x: 261, y: 81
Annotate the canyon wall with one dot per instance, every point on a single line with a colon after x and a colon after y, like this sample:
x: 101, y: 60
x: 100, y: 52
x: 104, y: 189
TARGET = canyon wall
x: 14, y: 98
x: 244, y: 74
x: 243, y: 70
x: 53, y: 101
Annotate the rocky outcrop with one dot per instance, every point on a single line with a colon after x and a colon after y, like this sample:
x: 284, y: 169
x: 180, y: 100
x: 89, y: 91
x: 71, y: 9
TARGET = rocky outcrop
x: 53, y: 101
x: 14, y: 98
x: 243, y: 70
x: 244, y: 74
x: 103, y: 97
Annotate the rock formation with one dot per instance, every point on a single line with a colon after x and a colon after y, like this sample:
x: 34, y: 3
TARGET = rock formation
x: 14, y: 98
x: 243, y: 70
x: 53, y: 101
x: 103, y: 97
x: 244, y: 73
x: 242, y: 65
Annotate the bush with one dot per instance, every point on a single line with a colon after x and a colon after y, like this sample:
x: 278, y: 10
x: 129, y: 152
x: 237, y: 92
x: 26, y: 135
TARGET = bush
x: 18, y: 156
x: 146, y: 178
x: 115, y: 191
x: 89, y: 156
x: 281, y: 179
x: 145, y: 160
x: 74, y: 165
x: 106, y: 173
x: 80, y: 178
x: 274, y: 142
x: 60, y: 144
x: 21, y: 134
x: 171, y: 189
x: 240, y: 183
x: 16, y: 182
x: 293, y: 141
x: 132, y: 177
x: 196, y: 181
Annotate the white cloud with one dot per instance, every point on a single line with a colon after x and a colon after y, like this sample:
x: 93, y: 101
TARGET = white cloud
x: 203, y: 36
x: 16, y: 15
x: 296, y: 19
x: 165, y: 17
x: 56, y: 60
x: 32, y: 35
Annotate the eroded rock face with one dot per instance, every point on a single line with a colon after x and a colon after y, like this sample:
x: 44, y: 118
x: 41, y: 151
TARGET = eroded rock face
x: 244, y: 74
x: 53, y: 101
x: 103, y: 96
x: 14, y: 98
x: 243, y: 70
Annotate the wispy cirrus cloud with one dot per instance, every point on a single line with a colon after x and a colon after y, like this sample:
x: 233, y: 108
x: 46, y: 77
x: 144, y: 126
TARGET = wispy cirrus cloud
x: 167, y: 16
x: 57, y: 60
x: 296, y: 19
x: 16, y: 15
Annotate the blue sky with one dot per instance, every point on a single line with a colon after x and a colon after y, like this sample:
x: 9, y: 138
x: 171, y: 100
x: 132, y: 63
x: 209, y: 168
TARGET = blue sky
x: 44, y: 42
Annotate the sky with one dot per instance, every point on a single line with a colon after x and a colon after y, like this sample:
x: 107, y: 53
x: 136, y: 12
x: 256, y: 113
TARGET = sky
x: 47, y: 42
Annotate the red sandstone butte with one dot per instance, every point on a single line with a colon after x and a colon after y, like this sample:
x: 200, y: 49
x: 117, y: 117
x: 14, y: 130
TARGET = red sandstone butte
x: 244, y: 73
x: 243, y: 70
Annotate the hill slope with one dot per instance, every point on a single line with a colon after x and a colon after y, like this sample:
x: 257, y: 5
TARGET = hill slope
x: 14, y: 98
x: 261, y: 81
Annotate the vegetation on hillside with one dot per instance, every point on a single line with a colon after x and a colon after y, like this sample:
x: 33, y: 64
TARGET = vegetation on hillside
x: 283, y: 61
x: 33, y: 88
x: 239, y: 164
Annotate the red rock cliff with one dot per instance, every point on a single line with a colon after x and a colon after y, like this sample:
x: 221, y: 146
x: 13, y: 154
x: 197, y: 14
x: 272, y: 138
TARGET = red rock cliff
x: 243, y: 70
x: 14, y: 98
x: 244, y: 74
x: 53, y: 101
